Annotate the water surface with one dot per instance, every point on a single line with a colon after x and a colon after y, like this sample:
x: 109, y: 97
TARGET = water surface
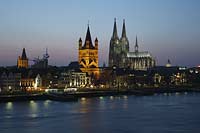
x: 176, y: 112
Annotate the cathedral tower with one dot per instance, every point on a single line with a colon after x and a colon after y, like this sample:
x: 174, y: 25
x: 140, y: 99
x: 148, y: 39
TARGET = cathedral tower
x: 118, y: 48
x: 124, y: 40
x: 22, y: 61
x: 88, y: 55
x: 115, y: 48
x: 124, y: 46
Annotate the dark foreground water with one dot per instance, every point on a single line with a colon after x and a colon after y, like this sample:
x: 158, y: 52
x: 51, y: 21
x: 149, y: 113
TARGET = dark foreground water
x: 159, y: 113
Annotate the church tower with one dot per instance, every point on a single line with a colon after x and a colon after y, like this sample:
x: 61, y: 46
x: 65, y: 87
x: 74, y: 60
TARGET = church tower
x: 124, y: 46
x: 88, y: 55
x: 22, y: 61
x: 124, y: 40
x: 115, y: 48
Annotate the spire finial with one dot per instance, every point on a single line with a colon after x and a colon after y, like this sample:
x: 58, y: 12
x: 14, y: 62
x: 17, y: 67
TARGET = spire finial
x: 88, y: 23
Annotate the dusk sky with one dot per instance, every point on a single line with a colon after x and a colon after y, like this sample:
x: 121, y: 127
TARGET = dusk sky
x: 169, y: 29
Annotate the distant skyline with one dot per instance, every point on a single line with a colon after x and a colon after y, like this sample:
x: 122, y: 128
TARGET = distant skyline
x: 168, y: 29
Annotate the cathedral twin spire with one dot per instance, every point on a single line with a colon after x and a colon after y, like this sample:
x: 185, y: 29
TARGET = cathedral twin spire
x: 115, y: 35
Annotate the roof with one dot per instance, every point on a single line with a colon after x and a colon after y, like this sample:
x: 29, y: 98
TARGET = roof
x: 115, y: 35
x: 138, y: 54
x: 24, y: 54
x: 124, y: 30
x: 88, y: 38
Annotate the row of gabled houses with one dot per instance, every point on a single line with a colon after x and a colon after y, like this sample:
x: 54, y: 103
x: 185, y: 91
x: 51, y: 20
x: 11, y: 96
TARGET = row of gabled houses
x: 19, y: 81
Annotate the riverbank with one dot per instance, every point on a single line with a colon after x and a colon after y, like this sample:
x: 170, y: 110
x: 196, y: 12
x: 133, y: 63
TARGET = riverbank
x: 40, y: 96
x: 74, y: 96
x: 136, y: 92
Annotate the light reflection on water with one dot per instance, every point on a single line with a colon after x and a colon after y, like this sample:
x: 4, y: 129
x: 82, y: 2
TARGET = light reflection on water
x: 47, y: 103
x: 168, y: 112
x: 9, y: 106
x: 33, y: 106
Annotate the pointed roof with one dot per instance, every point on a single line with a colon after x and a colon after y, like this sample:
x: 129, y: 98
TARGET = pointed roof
x: 124, y: 29
x: 88, y: 38
x: 96, y: 40
x: 80, y: 40
x: 24, y: 54
x: 115, y: 36
x: 136, y: 44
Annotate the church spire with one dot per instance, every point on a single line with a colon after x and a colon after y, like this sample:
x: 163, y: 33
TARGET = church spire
x: 136, y: 45
x: 88, y: 35
x: 88, y: 40
x: 115, y: 36
x: 124, y: 29
x: 24, y: 57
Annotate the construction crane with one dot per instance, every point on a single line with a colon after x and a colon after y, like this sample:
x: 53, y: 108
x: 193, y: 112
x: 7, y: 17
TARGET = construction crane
x: 41, y: 63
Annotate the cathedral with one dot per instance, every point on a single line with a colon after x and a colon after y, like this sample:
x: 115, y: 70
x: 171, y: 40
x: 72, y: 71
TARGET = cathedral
x: 88, y: 55
x: 22, y: 61
x: 120, y: 56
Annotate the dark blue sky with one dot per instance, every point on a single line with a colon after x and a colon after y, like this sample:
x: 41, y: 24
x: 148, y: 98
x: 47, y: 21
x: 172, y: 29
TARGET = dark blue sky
x: 169, y: 29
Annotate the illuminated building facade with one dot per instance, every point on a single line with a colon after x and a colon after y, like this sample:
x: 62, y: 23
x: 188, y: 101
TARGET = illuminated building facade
x: 88, y: 56
x: 32, y: 82
x: 22, y: 61
x: 74, y: 79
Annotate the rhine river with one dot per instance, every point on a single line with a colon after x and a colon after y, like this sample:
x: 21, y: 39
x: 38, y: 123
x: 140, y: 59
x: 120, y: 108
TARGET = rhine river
x: 163, y: 113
